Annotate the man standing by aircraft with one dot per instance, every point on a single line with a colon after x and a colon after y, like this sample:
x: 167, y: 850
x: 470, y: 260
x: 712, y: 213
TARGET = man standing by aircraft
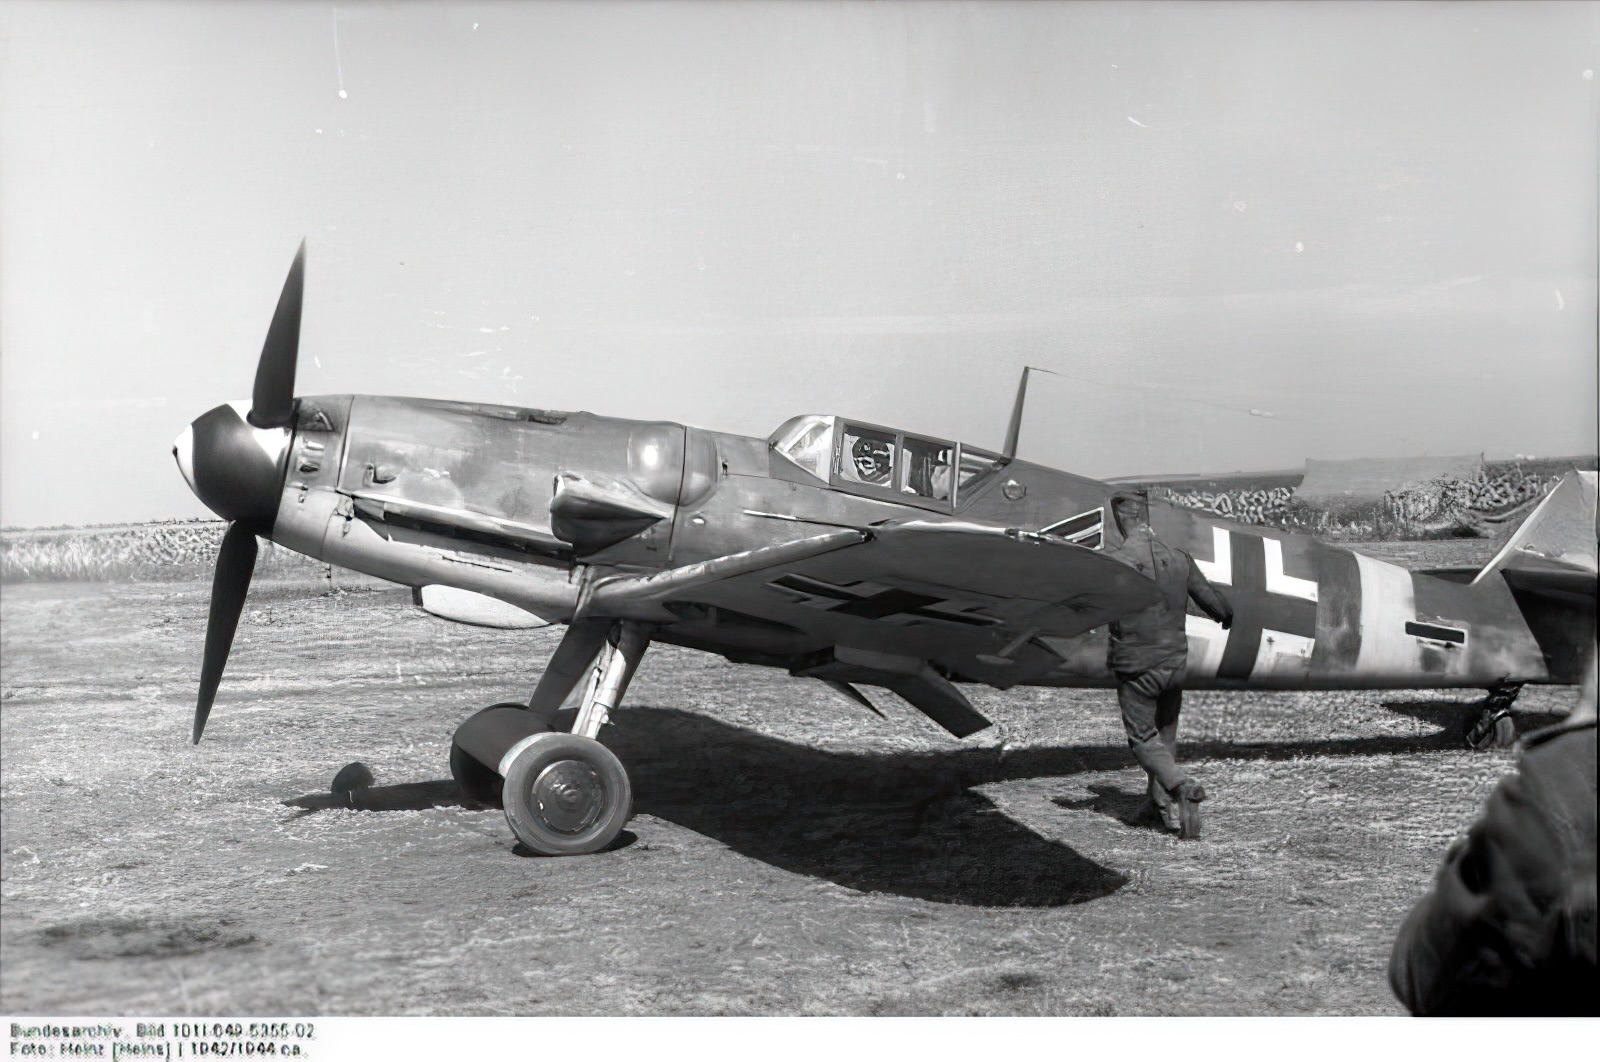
x: 1149, y: 654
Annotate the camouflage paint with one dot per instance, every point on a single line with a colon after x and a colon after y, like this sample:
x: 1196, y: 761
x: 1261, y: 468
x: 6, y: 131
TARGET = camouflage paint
x: 1307, y: 615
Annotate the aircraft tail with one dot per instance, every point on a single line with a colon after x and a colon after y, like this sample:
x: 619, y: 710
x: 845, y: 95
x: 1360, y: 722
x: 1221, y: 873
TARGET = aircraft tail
x: 1549, y: 566
x: 1554, y: 549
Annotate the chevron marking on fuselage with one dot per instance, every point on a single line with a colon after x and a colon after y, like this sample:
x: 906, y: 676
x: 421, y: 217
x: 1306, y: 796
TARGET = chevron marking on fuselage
x: 1219, y: 569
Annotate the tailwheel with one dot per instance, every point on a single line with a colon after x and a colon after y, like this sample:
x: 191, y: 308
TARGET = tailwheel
x: 565, y: 794
x: 1495, y: 728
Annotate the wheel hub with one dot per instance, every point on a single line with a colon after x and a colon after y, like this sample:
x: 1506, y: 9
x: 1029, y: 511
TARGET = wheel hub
x: 569, y: 795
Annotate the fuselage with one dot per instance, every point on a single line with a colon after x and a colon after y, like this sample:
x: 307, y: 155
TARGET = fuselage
x: 526, y: 505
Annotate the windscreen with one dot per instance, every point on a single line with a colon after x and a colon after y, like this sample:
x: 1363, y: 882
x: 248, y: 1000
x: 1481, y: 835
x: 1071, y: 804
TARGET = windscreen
x: 808, y: 442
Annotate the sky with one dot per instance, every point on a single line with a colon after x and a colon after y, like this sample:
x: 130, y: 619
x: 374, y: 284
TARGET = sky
x: 1243, y: 235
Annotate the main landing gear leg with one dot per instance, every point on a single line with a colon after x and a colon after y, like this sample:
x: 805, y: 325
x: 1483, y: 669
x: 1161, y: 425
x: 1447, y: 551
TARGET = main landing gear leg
x: 563, y: 793
x: 1495, y: 728
x: 609, y: 681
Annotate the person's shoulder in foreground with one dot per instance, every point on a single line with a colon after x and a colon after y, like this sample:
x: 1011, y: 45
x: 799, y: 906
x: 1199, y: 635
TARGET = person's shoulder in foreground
x: 1509, y: 928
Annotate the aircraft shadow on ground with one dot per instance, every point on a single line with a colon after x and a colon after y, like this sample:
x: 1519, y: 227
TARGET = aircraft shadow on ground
x: 903, y: 823
x: 906, y: 824
x: 1455, y: 718
x: 406, y: 796
x: 1126, y: 807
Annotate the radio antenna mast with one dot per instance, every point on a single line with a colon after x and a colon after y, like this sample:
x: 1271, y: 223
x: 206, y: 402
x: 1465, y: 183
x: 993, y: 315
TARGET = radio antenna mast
x: 1015, y: 428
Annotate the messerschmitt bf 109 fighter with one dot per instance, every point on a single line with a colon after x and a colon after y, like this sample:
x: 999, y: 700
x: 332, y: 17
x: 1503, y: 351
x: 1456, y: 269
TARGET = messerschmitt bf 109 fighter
x: 852, y: 553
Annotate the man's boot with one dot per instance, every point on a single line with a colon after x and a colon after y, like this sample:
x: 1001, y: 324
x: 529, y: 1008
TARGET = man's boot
x: 1187, y: 796
x: 1160, y: 808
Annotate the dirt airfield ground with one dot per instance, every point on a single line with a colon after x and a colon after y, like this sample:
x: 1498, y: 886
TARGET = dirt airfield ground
x: 790, y: 853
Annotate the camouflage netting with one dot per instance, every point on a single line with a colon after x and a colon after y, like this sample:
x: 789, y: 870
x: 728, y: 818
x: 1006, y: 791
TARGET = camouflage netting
x: 137, y: 552
x: 1423, y: 508
x: 1246, y: 506
x: 1441, y: 507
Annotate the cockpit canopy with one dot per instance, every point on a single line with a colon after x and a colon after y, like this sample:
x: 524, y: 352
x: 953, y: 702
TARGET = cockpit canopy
x: 872, y: 460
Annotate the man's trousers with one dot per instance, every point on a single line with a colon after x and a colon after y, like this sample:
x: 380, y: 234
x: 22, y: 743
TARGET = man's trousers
x: 1150, y: 701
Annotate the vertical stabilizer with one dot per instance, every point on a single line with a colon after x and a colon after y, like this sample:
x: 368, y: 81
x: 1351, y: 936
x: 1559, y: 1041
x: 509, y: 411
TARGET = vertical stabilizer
x: 1557, y: 537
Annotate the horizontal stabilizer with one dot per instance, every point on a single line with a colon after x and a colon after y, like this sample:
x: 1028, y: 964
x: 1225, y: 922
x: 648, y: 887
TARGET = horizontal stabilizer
x: 1554, y: 581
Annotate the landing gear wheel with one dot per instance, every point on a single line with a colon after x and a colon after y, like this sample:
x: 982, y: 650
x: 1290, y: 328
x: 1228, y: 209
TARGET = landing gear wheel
x: 479, y: 782
x: 566, y: 795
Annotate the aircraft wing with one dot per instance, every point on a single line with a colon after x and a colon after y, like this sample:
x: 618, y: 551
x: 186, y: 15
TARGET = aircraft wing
x: 917, y: 590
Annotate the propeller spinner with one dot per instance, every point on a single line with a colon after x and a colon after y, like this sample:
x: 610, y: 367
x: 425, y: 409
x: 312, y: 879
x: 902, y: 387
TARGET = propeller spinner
x: 235, y: 459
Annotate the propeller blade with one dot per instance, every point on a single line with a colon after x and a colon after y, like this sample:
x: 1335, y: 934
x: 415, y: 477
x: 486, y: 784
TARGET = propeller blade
x: 272, y: 403
x: 236, y: 562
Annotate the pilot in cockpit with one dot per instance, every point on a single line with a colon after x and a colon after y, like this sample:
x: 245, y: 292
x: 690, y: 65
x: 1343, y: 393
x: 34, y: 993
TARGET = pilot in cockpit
x: 872, y: 459
x: 927, y: 469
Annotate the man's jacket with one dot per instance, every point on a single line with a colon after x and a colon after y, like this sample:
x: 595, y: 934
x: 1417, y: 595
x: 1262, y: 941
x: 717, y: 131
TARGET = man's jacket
x: 1154, y: 637
x: 1509, y: 926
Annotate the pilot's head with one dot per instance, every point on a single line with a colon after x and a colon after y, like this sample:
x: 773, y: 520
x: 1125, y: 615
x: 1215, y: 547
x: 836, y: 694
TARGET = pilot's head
x: 1131, y: 508
x: 871, y: 457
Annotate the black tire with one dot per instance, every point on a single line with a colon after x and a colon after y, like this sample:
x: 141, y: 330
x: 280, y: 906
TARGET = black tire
x: 478, y: 783
x: 566, y: 795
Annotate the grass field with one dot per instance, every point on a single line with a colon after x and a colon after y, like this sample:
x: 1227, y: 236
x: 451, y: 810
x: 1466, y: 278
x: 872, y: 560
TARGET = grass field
x: 790, y: 853
x: 157, y: 552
